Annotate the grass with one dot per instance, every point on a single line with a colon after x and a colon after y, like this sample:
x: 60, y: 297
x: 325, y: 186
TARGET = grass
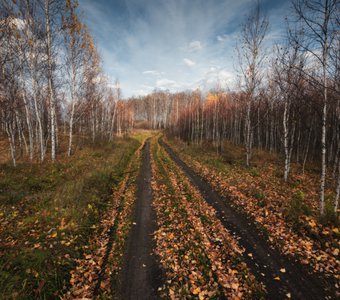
x: 48, y: 211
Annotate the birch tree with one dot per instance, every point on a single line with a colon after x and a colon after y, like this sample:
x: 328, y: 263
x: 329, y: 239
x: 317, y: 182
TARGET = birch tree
x: 75, y: 45
x: 288, y: 73
x: 318, y: 18
x: 251, y: 58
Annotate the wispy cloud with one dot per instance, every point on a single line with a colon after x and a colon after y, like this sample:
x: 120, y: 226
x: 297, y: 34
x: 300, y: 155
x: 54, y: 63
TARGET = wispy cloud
x: 141, y: 41
x: 195, y: 45
x: 189, y: 62
x: 153, y: 72
x: 165, y: 83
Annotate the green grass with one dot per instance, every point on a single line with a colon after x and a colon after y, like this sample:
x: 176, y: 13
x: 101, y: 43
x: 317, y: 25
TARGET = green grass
x: 48, y: 212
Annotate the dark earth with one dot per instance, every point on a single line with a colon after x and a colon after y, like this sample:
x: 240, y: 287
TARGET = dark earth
x: 141, y: 275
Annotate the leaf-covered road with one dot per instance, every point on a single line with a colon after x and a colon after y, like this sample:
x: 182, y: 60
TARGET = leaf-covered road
x: 185, y: 241
x: 283, y: 278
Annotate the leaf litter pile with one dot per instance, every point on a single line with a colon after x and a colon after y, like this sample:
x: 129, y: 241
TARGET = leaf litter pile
x: 263, y: 196
x: 199, y: 257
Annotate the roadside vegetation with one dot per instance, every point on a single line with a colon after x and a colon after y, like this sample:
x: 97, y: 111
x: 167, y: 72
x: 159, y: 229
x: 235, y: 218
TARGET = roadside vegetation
x: 50, y: 212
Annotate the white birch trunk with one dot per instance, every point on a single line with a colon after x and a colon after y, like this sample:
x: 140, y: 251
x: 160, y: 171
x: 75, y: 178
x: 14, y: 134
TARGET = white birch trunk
x: 50, y: 81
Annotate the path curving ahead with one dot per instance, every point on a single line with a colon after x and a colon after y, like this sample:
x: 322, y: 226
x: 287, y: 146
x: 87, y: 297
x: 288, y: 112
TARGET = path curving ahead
x: 264, y: 261
x: 140, y: 277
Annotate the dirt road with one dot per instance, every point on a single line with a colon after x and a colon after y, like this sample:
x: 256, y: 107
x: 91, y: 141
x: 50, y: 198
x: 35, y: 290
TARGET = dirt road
x: 141, y: 275
x: 283, y: 278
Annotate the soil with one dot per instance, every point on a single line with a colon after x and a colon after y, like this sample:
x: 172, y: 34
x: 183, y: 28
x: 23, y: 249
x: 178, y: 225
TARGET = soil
x: 265, y: 262
x: 141, y: 276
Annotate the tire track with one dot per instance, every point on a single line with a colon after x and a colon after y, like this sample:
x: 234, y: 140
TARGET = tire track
x: 264, y: 261
x: 141, y: 275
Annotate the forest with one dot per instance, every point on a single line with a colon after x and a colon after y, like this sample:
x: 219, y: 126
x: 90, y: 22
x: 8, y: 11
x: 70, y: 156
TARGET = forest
x: 229, y: 193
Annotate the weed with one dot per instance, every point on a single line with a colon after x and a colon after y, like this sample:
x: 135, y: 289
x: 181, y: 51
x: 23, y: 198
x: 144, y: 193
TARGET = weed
x: 297, y: 207
x: 218, y: 164
x: 254, y: 172
x: 259, y: 195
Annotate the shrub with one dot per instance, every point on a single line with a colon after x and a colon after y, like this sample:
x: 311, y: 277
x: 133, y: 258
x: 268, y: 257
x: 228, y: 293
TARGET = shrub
x: 297, y: 207
x: 329, y: 217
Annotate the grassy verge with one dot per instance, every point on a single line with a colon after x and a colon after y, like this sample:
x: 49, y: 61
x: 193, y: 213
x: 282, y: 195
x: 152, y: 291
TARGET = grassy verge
x: 199, y: 256
x: 286, y: 211
x: 48, y: 213
x: 97, y: 271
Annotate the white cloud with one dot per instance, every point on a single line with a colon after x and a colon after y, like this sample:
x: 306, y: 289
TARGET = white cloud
x: 165, y: 83
x: 189, y: 62
x: 222, y: 38
x: 195, y: 45
x: 141, y: 92
x: 216, y: 77
x: 153, y: 73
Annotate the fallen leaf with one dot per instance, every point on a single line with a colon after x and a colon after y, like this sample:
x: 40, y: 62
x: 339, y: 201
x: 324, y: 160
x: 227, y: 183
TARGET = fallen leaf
x: 312, y: 223
x: 62, y: 224
x: 41, y: 285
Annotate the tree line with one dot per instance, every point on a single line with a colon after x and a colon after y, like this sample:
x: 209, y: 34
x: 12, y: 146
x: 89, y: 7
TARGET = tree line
x: 51, y: 80
x: 286, y: 100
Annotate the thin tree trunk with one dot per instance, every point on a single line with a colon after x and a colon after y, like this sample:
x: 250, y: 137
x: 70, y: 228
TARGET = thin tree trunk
x: 11, y: 138
x: 248, y: 134
x: 50, y: 81
x: 285, y: 140
x: 337, y: 192
x: 307, y: 150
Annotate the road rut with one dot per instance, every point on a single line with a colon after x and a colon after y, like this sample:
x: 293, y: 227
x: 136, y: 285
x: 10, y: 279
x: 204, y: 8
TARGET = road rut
x: 264, y: 261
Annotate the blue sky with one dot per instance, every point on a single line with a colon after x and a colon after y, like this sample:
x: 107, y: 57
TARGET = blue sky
x: 173, y: 44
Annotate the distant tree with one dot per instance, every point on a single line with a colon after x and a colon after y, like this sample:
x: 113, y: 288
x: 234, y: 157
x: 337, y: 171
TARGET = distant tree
x: 251, y: 60
x: 114, y: 97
